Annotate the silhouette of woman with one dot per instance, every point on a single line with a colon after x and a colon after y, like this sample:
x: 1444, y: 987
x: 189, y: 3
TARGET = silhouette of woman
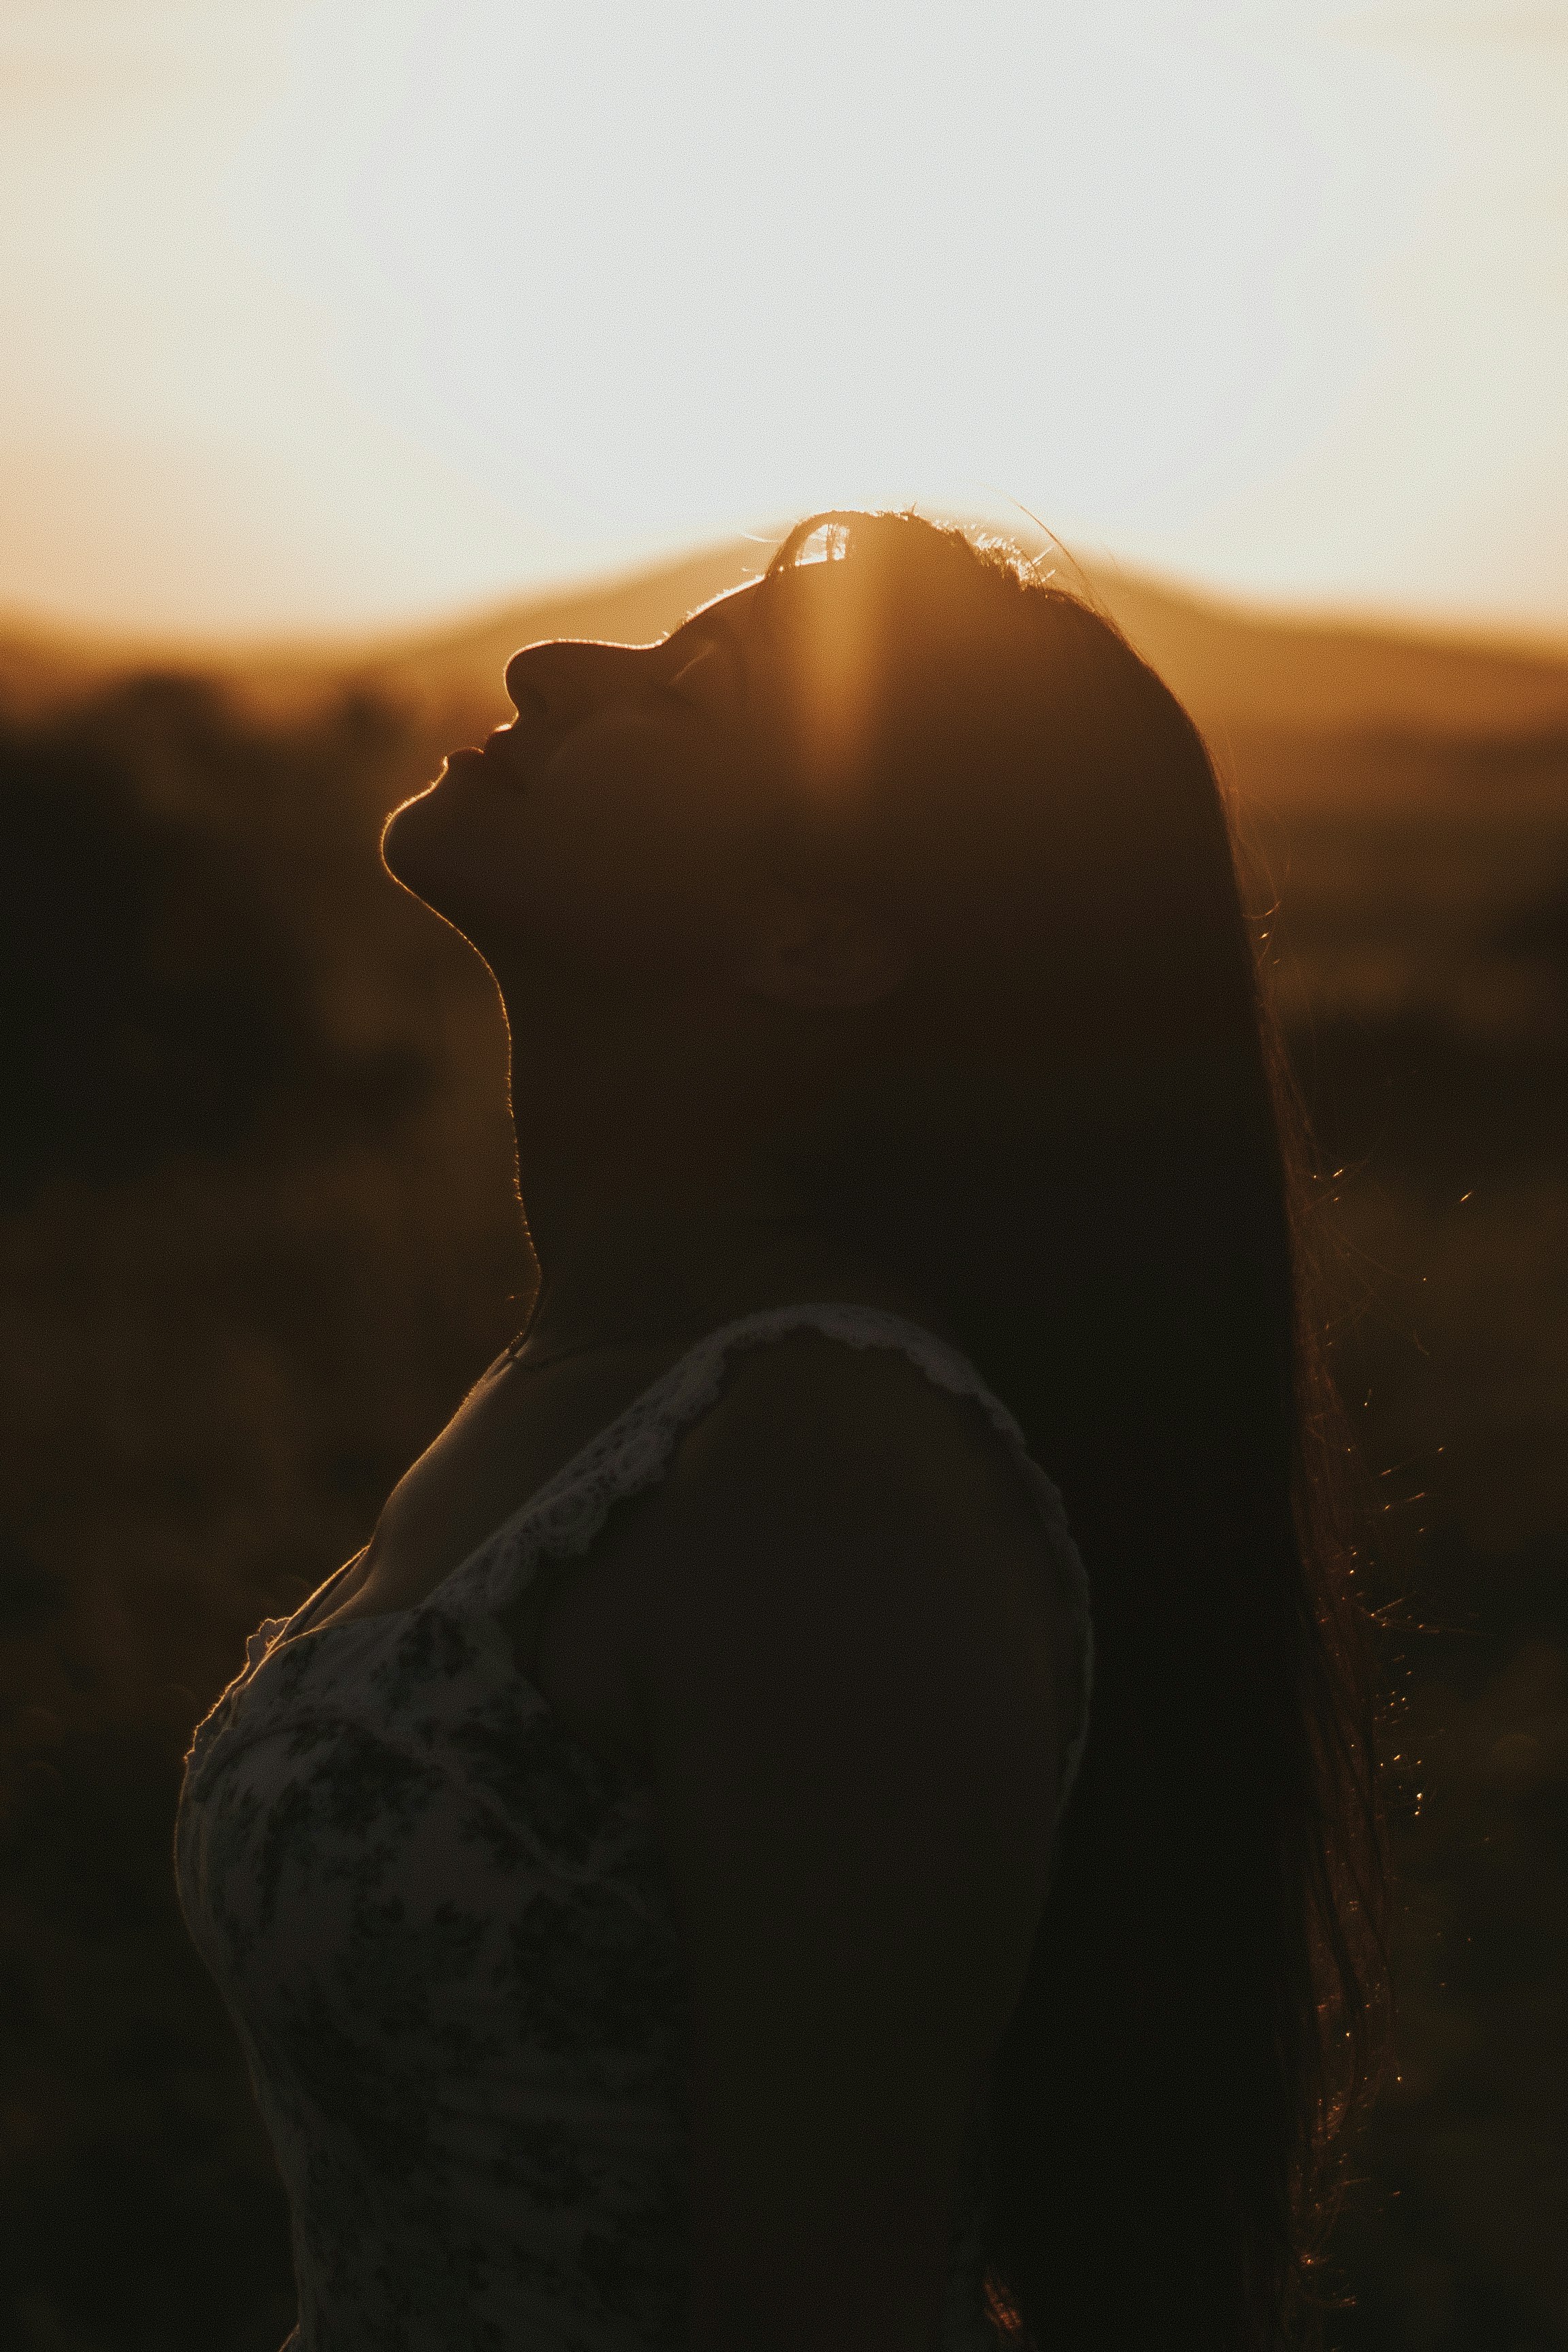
x: 644, y: 1878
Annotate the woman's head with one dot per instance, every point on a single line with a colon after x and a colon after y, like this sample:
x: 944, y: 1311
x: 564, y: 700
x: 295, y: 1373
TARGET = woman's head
x: 904, y: 799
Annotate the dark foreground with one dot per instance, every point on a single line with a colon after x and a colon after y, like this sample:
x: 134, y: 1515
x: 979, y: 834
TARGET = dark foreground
x: 258, y: 1239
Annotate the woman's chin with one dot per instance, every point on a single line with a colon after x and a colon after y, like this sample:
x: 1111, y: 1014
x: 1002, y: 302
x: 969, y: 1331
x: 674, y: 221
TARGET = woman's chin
x: 437, y: 860
x: 412, y: 843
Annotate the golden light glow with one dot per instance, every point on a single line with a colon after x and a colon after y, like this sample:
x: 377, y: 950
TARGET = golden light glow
x: 326, y: 312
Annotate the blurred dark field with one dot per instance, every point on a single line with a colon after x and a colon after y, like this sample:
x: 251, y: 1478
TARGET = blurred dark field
x: 258, y: 1238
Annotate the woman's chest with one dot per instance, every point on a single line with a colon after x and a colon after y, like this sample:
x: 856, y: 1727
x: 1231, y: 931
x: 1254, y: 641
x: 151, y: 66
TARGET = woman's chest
x: 570, y: 1617
x: 457, y: 1868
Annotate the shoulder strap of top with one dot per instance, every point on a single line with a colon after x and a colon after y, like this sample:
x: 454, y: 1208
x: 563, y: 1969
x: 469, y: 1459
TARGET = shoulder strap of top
x: 634, y: 1451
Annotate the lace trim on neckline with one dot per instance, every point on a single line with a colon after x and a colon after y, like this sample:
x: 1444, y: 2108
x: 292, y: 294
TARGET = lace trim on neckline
x: 561, y: 1519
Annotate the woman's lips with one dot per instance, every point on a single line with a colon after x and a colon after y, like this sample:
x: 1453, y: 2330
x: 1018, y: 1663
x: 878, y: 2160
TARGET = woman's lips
x: 491, y: 758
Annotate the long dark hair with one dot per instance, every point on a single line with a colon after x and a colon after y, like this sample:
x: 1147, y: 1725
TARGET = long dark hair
x: 1074, y: 1125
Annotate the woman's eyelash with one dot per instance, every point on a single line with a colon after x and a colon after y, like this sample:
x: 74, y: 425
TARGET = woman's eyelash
x: 673, y: 684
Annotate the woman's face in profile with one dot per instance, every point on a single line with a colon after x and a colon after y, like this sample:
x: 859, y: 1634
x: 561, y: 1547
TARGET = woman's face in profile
x: 617, y: 824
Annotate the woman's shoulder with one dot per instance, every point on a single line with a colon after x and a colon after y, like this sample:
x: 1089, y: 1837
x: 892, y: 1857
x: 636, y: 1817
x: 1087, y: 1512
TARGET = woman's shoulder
x: 850, y: 1562
x: 880, y: 1450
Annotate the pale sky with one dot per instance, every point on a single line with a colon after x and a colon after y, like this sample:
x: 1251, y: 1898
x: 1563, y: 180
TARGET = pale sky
x: 322, y: 314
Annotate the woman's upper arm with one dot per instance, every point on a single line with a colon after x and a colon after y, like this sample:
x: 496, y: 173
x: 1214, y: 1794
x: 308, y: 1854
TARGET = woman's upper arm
x: 848, y: 1679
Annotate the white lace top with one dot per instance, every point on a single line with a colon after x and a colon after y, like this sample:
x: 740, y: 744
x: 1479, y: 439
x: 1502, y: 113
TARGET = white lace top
x: 442, y: 1928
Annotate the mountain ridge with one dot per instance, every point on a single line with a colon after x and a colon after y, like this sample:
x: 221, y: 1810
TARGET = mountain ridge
x: 1236, y: 667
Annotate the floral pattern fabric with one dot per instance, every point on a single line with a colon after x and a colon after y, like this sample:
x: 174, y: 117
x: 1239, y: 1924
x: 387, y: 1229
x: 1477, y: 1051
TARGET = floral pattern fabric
x: 442, y: 1930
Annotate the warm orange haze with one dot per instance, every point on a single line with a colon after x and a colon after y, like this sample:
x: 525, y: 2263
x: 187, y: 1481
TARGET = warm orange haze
x: 349, y: 349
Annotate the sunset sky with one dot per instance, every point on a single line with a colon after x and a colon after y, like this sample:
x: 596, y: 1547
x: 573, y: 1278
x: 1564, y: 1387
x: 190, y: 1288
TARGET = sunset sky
x: 325, y: 313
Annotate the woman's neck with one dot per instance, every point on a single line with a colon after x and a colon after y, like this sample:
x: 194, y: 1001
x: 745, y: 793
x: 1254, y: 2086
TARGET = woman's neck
x: 655, y: 1207
x: 659, y: 1261
x: 648, y: 1214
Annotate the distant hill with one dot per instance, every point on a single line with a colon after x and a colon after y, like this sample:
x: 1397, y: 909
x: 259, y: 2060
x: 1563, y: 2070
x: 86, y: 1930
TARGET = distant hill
x: 1236, y: 667
x: 1239, y: 669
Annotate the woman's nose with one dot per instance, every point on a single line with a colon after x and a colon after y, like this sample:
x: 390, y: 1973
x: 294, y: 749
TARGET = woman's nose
x: 562, y: 681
